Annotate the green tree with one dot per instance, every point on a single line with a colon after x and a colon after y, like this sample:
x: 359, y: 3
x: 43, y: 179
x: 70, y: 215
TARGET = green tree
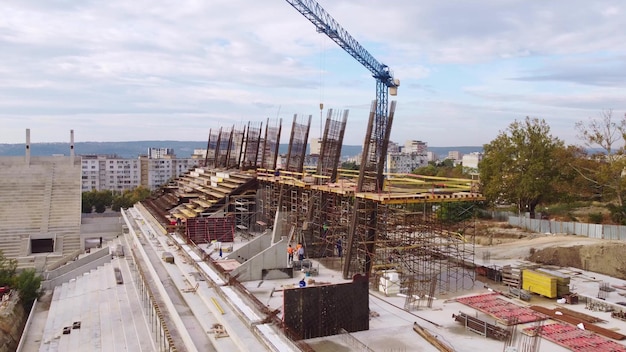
x: 573, y: 185
x: 349, y: 165
x: 129, y: 197
x: 87, y: 202
x: 8, y: 267
x: 28, y: 283
x: 610, y: 136
x: 429, y: 170
x: 450, y: 212
x: 520, y: 164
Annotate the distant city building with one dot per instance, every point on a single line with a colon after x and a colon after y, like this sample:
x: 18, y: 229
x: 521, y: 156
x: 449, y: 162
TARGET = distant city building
x: 431, y: 156
x: 470, y: 162
x: 110, y: 172
x: 316, y: 146
x: 199, y: 154
x: 404, y: 163
x: 160, y: 153
x: 393, y: 147
x: 415, y: 147
x: 403, y: 160
x: 100, y: 172
x: 454, y: 155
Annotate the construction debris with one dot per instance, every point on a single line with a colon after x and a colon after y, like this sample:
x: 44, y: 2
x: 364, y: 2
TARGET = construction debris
x: 432, y: 339
x: 218, y: 330
x: 481, y: 327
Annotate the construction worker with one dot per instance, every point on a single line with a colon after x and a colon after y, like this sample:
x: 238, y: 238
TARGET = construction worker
x: 339, y: 247
x: 300, y: 251
x: 290, y: 254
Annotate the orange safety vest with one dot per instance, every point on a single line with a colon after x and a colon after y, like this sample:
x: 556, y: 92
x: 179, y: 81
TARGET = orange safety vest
x: 290, y: 250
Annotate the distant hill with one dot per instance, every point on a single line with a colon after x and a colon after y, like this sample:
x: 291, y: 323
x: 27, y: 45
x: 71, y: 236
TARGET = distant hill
x: 182, y: 149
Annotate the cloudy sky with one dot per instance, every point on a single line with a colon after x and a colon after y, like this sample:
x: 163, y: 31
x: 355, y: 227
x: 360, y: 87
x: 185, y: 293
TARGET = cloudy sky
x: 122, y: 70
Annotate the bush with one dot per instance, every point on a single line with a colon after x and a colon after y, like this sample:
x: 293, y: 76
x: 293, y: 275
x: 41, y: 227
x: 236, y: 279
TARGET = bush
x: 29, y: 285
x: 596, y: 218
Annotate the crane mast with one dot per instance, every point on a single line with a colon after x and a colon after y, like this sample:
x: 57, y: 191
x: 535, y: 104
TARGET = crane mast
x: 360, y: 254
x: 385, y: 82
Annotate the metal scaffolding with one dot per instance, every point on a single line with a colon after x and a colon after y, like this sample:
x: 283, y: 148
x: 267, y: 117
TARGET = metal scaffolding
x: 271, y: 143
x: 330, y: 151
x: 363, y: 222
x: 250, y: 157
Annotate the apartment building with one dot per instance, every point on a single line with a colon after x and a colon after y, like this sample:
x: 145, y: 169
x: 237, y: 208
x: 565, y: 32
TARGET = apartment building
x: 404, y: 163
x: 470, y: 162
x: 100, y: 172
x: 111, y: 172
x: 156, y: 172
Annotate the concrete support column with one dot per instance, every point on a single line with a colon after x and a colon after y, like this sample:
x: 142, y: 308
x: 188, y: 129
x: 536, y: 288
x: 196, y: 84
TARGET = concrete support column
x: 27, y: 156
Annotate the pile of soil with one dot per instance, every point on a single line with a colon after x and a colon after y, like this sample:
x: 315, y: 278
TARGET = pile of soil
x: 504, y: 241
x: 607, y: 258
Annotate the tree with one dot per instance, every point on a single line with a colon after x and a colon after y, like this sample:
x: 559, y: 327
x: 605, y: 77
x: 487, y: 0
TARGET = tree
x: 610, y: 136
x: 349, y: 165
x: 28, y: 283
x: 572, y: 185
x: 8, y: 268
x: 520, y: 164
x: 129, y: 197
x: 87, y: 202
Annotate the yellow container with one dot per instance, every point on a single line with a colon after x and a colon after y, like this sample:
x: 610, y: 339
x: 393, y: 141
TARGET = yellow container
x: 539, y: 283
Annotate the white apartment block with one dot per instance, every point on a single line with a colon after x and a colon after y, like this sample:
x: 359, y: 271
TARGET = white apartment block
x: 157, y: 172
x: 110, y: 172
x: 454, y: 155
x: 100, y: 172
x: 415, y: 147
x: 470, y: 162
x: 315, y: 145
x: 393, y: 147
x: 158, y: 153
x: 404, y: 163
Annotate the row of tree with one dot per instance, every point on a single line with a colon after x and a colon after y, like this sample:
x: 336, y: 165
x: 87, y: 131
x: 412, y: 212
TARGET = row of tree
x: 99, y: 201
x: 527, y: 165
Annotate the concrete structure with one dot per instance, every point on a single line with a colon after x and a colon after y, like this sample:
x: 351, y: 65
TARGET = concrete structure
x: 207, y: 301
x: 40, y: 203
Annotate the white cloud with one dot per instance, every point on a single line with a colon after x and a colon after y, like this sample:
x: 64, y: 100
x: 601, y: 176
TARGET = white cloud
x: 144, y: 70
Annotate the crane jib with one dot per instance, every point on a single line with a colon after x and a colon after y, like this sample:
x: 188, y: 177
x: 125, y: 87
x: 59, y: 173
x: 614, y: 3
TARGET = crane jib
x: 324, y: 23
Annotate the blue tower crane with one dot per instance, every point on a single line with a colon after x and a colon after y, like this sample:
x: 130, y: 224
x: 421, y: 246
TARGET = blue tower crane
x: 385, y: 82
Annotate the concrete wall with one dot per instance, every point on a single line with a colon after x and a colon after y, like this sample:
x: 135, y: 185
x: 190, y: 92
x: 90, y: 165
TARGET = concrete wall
x: 252, y: 248
x: 105, y: 226
x: 76, y: 268
x: 274, y: 257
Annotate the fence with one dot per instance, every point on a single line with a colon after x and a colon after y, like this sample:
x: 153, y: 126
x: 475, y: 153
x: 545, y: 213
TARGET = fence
x: 599, y: 231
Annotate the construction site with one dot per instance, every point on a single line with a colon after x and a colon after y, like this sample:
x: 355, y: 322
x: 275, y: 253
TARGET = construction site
x: 406, y: 227
x: 381, y: 261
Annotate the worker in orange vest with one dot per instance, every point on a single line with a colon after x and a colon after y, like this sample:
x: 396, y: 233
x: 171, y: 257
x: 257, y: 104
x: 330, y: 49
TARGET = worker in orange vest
x: 290, y: 253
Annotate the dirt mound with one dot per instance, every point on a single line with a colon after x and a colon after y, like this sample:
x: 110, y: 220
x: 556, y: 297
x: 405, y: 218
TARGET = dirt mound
x: 605, y: 258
